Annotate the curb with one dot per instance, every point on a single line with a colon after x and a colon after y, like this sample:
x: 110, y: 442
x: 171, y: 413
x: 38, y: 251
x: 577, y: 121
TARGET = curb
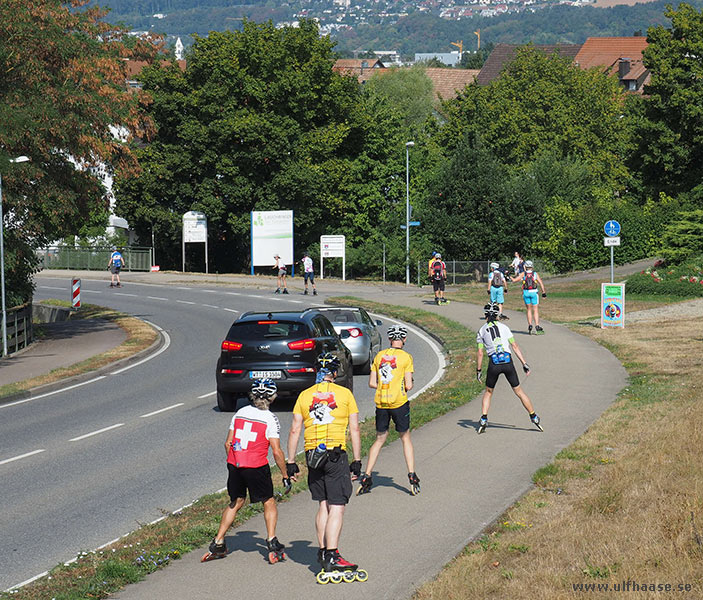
x: 75, y: 379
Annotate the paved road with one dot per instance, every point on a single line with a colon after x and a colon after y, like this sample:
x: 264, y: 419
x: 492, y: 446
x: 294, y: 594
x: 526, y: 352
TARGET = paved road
x: 467, y: 481
x: 82, y: 467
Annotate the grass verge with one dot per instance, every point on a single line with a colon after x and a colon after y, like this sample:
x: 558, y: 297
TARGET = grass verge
x: 139, y: 337
x: 620, y: 507
x: 98, y: 574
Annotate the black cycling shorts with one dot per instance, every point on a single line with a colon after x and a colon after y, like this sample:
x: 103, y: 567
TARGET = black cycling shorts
x: 438, y: 284
x: 257, y: 480
x: 400, y: 416
x: 331, y: 482
x: 507, y: 369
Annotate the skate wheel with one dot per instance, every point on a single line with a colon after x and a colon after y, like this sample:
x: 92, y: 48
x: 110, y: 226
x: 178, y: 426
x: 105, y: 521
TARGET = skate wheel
x: 322, y: 577
x: 273, y: 558
x: 415, y: 490
x: 206, y: 557
x: 348, y: 576
x: 361, y: 575
x: 336, y: 577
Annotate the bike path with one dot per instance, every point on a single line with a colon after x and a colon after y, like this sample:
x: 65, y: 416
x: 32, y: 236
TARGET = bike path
x: 467, y: 481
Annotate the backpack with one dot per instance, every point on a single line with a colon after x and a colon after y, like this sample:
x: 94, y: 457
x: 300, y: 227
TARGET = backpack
x: 437, y: 269
x: 529, y: 281
x: 117, y: 260
x: 498, y: 279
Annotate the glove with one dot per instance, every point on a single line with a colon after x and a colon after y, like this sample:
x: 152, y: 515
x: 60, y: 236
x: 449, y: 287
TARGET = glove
x: 488, y: 292
x: 287, y: 485
x: 292, y: 469
x: 355, y: 468
x: 544, y: 294
x: 526, y: 368
x: 479, y: 374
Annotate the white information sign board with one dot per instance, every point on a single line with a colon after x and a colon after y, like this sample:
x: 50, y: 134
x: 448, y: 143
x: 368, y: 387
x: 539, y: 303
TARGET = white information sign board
x: 332, y: 246
x: 271, y: 234
x: 611, y: 241
x: 194, y: 231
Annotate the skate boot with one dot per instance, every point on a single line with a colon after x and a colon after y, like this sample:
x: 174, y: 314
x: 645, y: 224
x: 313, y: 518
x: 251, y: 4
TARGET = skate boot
x: 314, y: 292
x: 436, y: 301
x: 482, y: 424
x: 529, y: 329
x: 536, y: 421
x: 275, y: 548
x: 414, y: 483
x: 285, y: 290
x: 321, y: 556
x: 444, y: 301
x: 366, y: 483
x: 539, y: 330
x: 305, y: 292
x: 112, y: 285
x: 504, y: 317
x: 278, y: 291
x: 336, y: 569
x: 214, y: 552
x: 119, y: 285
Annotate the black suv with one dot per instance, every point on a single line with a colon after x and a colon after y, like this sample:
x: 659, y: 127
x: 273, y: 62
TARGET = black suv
x: 282, y: 346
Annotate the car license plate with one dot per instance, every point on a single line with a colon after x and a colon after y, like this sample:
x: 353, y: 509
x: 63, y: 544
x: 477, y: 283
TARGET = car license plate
x: 264, y: 374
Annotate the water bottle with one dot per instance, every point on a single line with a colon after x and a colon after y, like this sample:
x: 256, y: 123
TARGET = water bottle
x: 317, y: 457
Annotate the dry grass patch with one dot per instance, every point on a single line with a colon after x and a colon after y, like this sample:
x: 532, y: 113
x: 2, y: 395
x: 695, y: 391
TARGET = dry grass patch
x: 624, y: 503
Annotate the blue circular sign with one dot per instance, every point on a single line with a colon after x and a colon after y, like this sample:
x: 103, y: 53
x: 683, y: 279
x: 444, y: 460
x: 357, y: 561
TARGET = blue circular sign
x: 612, y: 228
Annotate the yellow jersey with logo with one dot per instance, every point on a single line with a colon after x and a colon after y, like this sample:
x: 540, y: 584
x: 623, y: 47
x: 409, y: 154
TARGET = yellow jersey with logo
x: 391, y: 365
x: 325, y: 408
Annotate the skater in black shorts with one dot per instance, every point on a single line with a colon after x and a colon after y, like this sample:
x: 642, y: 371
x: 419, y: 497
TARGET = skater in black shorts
x: 498, y: 342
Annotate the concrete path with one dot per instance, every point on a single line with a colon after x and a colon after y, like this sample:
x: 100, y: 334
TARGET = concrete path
x: 467, y: 481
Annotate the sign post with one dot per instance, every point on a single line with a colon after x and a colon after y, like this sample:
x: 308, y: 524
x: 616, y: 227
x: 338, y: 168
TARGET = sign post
x: 612, y: 230
x: 75, y: 294
x: 612, y: 311
x: 194, y: 230
x: 331, y: 246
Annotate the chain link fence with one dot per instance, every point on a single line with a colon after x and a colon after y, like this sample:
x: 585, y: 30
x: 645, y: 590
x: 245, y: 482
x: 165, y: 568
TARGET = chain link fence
x: 92, y: 259
x: 458, y: 271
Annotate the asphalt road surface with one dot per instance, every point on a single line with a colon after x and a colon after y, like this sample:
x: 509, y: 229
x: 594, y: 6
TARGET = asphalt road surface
x: 94, y: 462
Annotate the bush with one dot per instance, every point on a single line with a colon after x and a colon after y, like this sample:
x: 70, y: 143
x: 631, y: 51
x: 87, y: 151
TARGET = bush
x: 685, y: 280
x: 681, y: 239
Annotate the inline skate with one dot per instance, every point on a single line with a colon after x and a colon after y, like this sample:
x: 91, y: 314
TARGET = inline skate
x: 275, y: 550
x: 214, y: 552
x: 336, y: 569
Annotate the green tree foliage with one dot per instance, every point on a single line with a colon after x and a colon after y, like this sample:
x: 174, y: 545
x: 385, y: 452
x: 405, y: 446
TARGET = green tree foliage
x: 669, y: 133
x: 681, y: 239
x: 62, y: 88
x: 259, y: 121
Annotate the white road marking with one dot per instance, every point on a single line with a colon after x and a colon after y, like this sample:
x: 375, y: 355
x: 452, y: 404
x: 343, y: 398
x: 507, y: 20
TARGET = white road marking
x: 156, y: 412
x: 233, y: 293
x: 182, y: 288
x: 209, y: 306
x: 230, y: 310
x: 21, y: 456
x: 27, y: 582
x: 295, y: 301
x: 206, y: 395
x: 92, y: 433
x: 209, y: 291
x: 48, y: 287
x: 156, y: 298
x: 123, y: 294
x: 163, y: 348
x: 90, y: 292
x: 184, y: 302
x: 70, y: 387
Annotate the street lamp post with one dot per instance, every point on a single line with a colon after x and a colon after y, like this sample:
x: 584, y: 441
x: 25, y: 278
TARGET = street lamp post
x: 408, y: 145
x: 19, y: 159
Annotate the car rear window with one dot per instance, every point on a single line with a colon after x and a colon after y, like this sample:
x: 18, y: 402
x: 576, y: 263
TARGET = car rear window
x: 343, y: 316
x: 267, y: 329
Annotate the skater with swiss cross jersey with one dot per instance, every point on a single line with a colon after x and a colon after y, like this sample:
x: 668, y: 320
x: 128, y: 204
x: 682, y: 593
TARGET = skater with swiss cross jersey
x: 498, y: 342
x: 392, y: 378
x: 530, y: 280
x: 324, y: 411
x: 252, y: 431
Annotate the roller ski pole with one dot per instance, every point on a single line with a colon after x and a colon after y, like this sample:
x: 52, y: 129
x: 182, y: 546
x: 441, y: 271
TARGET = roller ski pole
x: 414, y: 483
x: 536, y: 421
x: 275, y: 548
x: 336, y: 569
x: 366, y: 483
x: 214, y: 552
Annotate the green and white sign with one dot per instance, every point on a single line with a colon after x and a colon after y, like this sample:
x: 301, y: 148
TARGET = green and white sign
x: 271, y: 234
x: 612, y: 300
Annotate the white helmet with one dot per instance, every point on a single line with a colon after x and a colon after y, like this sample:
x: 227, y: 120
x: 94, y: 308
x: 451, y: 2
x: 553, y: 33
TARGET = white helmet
x: 528, y: 264
x: 494, y: 266
x: 397, y: 332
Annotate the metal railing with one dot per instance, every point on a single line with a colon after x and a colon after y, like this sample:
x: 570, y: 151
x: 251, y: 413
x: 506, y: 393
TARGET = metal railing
x: 20, y: 332
x: 92, y: 259
x: 458, y: 271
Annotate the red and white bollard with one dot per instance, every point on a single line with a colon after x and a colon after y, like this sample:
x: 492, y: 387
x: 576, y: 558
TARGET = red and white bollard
x: 76, y: 293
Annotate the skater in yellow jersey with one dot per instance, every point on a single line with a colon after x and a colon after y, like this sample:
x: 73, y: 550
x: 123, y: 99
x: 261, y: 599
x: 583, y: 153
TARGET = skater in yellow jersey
x: 392, y: 378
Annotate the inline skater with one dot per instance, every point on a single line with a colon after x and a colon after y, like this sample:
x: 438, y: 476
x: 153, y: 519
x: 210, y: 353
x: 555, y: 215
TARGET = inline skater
x: 308, y: 274
x: 517, y: 264
x: 438, y: 275
x: 530, y: 280
x: 498, y: 342
x: 497, y: 287
x: 324, y: 411
x: 282, y: 271
x: 115, y: 265
x: 253, y: 430
x: 392, y: 378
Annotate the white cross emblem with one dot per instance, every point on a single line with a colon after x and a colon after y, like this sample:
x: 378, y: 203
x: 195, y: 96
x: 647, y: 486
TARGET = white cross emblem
x: 246, y: 435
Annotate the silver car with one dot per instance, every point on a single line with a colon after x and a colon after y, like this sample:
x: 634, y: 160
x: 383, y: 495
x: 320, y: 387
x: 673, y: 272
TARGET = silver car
x: 358, y: 332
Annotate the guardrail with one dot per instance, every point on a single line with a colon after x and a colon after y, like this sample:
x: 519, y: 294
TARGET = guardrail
x: 92, y: 259
x: 20, y: 332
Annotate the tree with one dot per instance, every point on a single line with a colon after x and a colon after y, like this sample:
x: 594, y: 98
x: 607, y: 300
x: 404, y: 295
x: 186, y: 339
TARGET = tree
x: 62, y: 93
x: 669, y: 130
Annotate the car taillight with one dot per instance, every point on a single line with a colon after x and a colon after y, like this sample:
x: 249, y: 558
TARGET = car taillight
x: 232, y: 371
x: 302, y: 345
x: 304, y: 370
x: 228, y: 346
x: 355, y: 332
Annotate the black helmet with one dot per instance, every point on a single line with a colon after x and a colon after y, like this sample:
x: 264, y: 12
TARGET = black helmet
x: 327, y: 362
x: 264, y: 388
x: 397, y: 332
x: 491, y: 310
